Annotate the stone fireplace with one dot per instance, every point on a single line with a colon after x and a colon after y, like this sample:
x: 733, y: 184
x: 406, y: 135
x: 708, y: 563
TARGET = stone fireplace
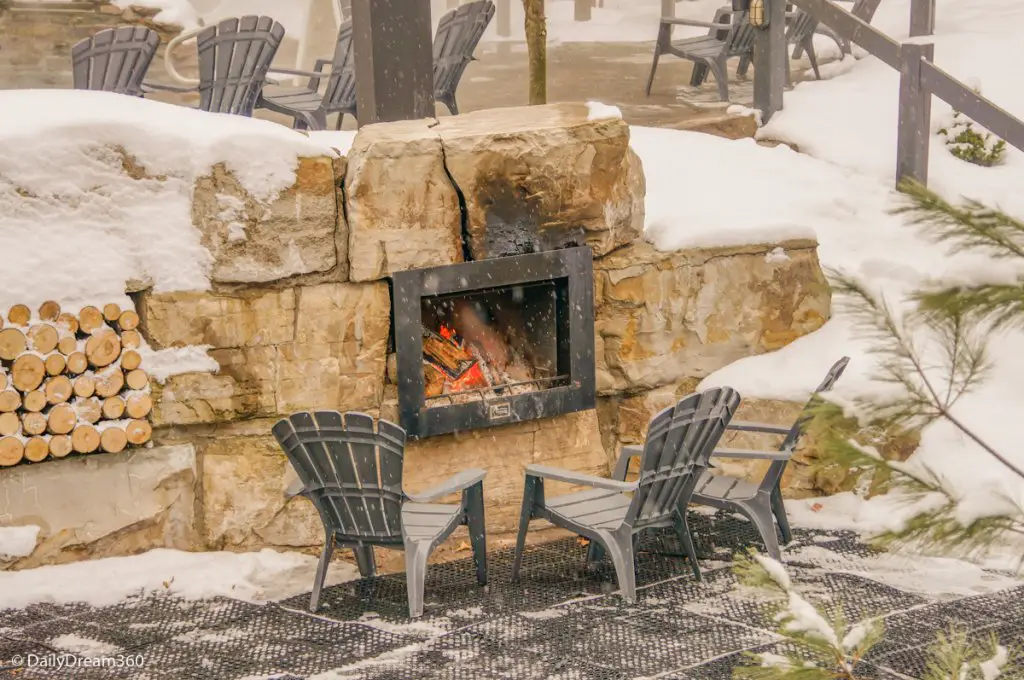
x: 494, y: 342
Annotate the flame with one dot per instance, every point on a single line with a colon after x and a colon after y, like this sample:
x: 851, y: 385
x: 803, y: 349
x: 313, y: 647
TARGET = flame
x: 447, y: 332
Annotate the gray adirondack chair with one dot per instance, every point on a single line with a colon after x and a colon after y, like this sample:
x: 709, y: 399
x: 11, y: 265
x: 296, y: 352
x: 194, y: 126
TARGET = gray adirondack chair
x: 352, y: 472
x: 723, y: 15
x: 760, y: 502
x: 308, y: 108
x: 709, y: 51
x: 612, y: 512
x: 114, y: 60
x: 862, y: 9
x: 234, y: 57
x: 458, y: 35
x: 800, y: 28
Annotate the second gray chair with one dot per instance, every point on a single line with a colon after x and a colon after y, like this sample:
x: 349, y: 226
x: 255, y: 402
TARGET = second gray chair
x: 114, y: 60
x: 611, y: 513
x: 352, y: 472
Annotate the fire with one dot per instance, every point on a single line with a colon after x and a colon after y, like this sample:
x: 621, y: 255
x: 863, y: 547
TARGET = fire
x: 448, y: 333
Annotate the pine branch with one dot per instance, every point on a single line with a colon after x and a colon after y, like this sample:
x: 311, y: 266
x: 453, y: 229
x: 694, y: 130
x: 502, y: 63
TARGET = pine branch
x: 999, y: 305
x: 971, y: 226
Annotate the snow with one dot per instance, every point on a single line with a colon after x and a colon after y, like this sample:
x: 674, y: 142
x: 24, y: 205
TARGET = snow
x: 599, y: 111
x: 162, y: 364
x: 178, y: 12
x: 17, y: 542
x: 339, y: 140
x: 255, y: 577
x: 84, y: 646
x: 69, y: 208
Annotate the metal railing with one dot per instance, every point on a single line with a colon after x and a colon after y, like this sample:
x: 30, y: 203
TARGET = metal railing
x: 920, y: 78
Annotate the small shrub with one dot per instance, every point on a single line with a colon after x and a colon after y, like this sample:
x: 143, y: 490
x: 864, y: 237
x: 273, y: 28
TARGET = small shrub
x: 968, y: 144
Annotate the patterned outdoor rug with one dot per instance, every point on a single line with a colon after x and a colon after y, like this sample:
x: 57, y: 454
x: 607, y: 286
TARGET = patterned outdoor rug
x: 560, y: 621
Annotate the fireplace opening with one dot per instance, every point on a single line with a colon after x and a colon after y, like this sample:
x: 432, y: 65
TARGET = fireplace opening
x: 494, y: 341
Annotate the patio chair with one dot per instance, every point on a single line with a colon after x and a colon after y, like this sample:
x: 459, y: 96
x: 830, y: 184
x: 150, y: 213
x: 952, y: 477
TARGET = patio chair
x: 710, y: 50
x: 352, y: 473
x: 723, y: 15
x: 800, y: 28
x: 862, y: 9
x: 234, y: 57
x: 760, y: 502
x: 458, y: 34
x: 306, y: 106
x: 612, y: 512
x: 114, y: 60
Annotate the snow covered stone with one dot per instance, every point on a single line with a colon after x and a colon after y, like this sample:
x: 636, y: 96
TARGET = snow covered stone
x: 542, y: 177
x: 99, y: 506
x: 300, y: 231
x: 665, y: 317
x: 403, y: 211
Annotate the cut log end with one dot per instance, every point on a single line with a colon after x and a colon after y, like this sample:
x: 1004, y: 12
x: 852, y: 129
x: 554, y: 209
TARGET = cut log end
x: 128, y: 321
x: 113, y: 408
x: 111, y: 312
x: 37, y: 449
x: 78, y: 363
x: 113, y: 440
x: 60, y: 445
x: 33, y: 423
x: 58, y: 389
x: 139, y: 405
x: 130, y: 360
x: 90, y: 320
x: 34, y: 401
x: 10, y: 400
x: 10, y: 424
x: 11, y: 451
x: 49, y: 311
x: 12, y: 343
x: 43, y: 338
x: 55, y: 364
x: 19, y: 315
x: 67, y: 345
x: 85, y: 386
x: 103, y: 349
x: 4, y: 381
x: 69, y: 322
x: 109, y: 383
x: 138, y: 432
x: 131, y: 339
x: 61, y: 419
x: 28, y: 372
x: 90, y: 410
x: 137, y: 379
x: 85, y: 439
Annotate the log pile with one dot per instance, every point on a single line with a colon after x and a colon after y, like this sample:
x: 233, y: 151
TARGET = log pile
x: 71, y: 383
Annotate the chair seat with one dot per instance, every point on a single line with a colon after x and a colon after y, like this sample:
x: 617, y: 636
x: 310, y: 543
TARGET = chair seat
x: 427, y: 521
x: 702, y: 46
x: 594, y: 508
x: 724, y: 487
x: 294, y: 98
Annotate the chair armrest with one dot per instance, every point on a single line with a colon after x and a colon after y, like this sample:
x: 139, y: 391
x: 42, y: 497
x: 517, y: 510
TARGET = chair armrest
x: 691, y: 22
x: 748, y: 454
x: 151, y: 87
x: 296, y: 72
x: 627, y: 454
x: 571, y: 477
x: 764, y: 428
x: 294, y: 489
x: 454, y: 484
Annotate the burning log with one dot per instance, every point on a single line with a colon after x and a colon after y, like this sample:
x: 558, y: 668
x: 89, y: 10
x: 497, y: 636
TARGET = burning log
x: 446, y: 355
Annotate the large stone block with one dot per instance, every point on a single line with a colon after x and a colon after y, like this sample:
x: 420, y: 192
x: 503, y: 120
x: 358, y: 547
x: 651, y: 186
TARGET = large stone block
x: 253, y: 240
x: 403, y: 211
x: 248, y: 319
x: 101, y: 506
x: 542, y: 177
x: 664, y: 317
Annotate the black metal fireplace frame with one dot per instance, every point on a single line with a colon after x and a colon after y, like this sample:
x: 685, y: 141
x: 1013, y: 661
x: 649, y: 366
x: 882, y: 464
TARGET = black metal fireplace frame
x: 410, y: 287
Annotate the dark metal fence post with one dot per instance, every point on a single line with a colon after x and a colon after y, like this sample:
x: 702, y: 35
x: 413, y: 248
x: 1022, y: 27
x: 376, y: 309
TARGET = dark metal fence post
x: 770, y: 61
x: 922, y: 17
x: 394, y: 60
x: 914, y: 133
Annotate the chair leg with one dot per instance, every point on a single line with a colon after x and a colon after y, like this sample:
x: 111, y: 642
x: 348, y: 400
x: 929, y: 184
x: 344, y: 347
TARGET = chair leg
x: 743, y: 66
x: 779, y: 510
x: 620, y: 549
x: 698, y: 75
x: 341, y: 119
x: 529, y: 499
x: 798, y: 51
x: 813, y: 57
x: 759, y: 511
x: 721, y: 73
x: 416, y: 555
x: 654, y: 68
x: 474, y: 509
x: 594, y: 552
x: 683, y: 531
x: 365, y: 560
x: 321, y: 573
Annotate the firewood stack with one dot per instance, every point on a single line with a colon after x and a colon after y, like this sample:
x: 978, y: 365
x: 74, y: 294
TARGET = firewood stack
x: 71, y: 383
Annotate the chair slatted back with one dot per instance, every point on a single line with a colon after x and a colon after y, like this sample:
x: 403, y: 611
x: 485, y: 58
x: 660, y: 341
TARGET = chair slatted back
x: 829, y: 381
x: 740, y: 40
x: 801, y: 27
x: 114, y: 60
x: 679, y: 443
x: 234, y: 57
x: 340, y: 93
x: 865, y: 9
x: 351, y: 472
x: 458, y: 35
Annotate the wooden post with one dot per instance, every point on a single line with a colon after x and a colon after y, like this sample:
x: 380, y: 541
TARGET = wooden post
x: 537, y: 48
x: 914, y: 132
x: 668, y: 9
x: 392, y: 43
x: 582, y: 10
x: 922, y: 17
x: 770, y: 61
